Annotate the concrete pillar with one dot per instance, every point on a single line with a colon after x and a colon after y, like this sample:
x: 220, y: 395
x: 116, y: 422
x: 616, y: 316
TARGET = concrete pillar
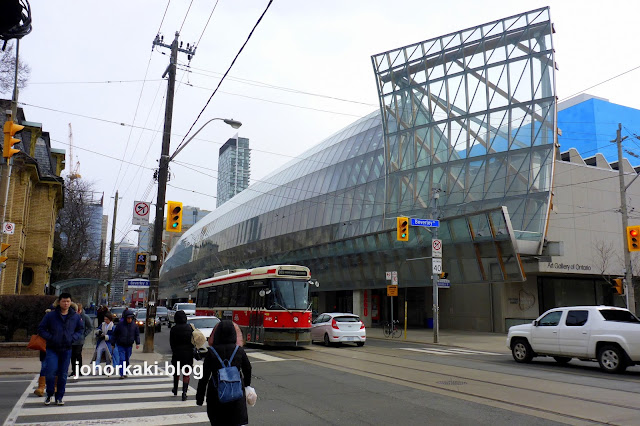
x: 362, y: 305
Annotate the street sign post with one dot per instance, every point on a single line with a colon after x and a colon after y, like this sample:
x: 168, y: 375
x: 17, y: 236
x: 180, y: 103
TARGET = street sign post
x: 141, y: 211
x: 392, y: 290
x: 444, y: 283
x: 429, y: 223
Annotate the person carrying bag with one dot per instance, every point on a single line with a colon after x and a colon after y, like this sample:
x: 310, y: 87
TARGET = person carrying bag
x: 224, y: 344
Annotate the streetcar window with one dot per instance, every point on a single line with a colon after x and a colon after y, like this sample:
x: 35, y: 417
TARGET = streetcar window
x: 233, y: 298
x: 243, y: 291
x: 289, y: 294
x: 203, y: 297
x: 223, y: 300
x: 213, y: 297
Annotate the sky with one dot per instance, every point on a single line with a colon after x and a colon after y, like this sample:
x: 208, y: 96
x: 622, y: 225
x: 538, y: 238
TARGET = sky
x: 304, y: 74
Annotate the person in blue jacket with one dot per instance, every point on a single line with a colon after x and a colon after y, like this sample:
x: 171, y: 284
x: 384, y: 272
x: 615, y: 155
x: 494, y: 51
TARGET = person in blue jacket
x: 125, y: 334
x: 60, y: 328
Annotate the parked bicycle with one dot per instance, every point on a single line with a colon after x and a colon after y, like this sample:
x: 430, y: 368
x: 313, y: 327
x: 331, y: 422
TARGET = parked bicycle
x: 391, y: 329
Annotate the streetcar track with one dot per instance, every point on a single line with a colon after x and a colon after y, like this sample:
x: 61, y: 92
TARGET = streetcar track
x: 470, y: 394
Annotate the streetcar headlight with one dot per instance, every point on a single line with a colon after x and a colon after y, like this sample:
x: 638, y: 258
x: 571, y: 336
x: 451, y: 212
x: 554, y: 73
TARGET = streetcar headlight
x: 295, y: 319
x: 275, y: 319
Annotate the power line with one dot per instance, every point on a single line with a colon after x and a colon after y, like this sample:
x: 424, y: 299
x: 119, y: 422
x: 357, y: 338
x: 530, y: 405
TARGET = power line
x: 207, y: 24
x: 227, y: 72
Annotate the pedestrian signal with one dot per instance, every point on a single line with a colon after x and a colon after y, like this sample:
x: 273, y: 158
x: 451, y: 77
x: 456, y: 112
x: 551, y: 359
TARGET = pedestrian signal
x: 174, y: 216
x: 633, y: 238
x: 618, y: 286
x: 141, y: 263
x: 443, y: 275
x: 10, y: 129
x: 403, y: 229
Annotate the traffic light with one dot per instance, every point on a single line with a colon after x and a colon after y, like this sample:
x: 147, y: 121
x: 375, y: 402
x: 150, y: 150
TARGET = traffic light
x: 10, y: 129
x: 617, y: 286
x: 141, y: 263
x: 403, y: 229
x: 3, y: 248
x: 174, y: 216
x: 633, y: 238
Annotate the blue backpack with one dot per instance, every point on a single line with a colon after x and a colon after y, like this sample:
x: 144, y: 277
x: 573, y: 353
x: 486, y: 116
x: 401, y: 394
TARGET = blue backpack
x: 229, y: 382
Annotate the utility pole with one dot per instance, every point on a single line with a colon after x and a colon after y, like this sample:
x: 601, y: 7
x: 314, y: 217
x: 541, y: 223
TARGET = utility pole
x: 113, y: 246
x: 163, y: 173
x: 436, y: 308
x: 628, y: 271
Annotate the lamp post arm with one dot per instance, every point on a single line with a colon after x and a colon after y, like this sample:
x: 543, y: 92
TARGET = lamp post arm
x: 232, y: 123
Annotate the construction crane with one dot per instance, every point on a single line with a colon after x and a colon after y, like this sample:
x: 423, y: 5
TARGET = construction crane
x: 73, y: 167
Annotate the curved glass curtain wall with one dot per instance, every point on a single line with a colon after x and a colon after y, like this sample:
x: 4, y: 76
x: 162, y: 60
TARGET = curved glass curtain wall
x: 336, y: 189
x: 473, y: 114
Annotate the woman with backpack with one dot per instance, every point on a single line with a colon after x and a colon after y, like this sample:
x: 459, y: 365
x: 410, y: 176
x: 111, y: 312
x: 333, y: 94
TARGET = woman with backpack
x: 224, y: 344
x: 182, y: 350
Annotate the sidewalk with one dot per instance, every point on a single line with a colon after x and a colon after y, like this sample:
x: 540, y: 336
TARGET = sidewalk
x: 480, y: 341
x: 31, y: 365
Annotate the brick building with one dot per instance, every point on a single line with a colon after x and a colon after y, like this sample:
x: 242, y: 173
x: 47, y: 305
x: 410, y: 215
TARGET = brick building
x: 35, y: 197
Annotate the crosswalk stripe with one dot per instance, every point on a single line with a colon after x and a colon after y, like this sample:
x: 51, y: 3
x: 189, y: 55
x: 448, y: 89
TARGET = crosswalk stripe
x: 265, y: 357
x: 117, y: 387
x: 101, y: 408
x: 101, y: 397
x: 169, y: 419
x: 106, y: 380
x: 452, y: 351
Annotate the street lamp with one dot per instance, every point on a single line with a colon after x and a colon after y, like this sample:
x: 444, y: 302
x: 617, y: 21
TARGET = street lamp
x: 156, y: 247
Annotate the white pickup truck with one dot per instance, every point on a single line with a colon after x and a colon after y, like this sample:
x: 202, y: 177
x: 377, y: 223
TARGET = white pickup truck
x: 188, y: 308
x: 607, y: 334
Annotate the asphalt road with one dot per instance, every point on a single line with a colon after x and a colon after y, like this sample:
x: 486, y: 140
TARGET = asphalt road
x: 394, y: 382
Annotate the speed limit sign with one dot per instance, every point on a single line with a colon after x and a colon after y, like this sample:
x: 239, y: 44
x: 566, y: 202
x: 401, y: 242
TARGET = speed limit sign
x: 436, y: 264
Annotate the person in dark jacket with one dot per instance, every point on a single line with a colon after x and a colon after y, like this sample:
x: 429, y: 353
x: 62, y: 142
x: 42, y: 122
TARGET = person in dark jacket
x: 125, y: 334
x: 76, y: 346
x: 224, y: 342
x: 59, y: 328
x: 182, y: 349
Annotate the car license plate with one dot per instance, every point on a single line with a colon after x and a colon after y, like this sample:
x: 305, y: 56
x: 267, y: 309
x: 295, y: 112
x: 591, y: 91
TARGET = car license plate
x: 351, y: 338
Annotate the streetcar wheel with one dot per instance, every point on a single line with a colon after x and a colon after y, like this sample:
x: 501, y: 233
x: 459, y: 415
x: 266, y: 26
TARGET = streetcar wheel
x: 612, y: 359
x: 562, y: 359
x: 326, y: 339
x: 521, y: 351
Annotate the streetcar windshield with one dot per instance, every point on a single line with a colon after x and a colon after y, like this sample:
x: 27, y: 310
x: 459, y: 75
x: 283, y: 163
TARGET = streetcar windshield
x: 289, y: 294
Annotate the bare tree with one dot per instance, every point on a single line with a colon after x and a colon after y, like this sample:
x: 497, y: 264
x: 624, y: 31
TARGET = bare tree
x: 604, y: 256
x: 76, y: 248
x: 8, y: 69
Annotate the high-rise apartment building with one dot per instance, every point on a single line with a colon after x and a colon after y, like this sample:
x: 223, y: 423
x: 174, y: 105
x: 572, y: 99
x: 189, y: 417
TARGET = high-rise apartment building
x: 234, y: 161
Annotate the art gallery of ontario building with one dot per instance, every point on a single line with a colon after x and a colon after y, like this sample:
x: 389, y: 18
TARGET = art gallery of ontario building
x: 467, y: 133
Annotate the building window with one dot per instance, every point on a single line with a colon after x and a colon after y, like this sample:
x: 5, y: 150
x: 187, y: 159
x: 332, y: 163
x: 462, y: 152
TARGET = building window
x: 27, y: 276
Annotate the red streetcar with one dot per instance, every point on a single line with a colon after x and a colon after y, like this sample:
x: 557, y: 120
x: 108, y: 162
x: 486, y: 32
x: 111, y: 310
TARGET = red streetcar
x: 270, y: 303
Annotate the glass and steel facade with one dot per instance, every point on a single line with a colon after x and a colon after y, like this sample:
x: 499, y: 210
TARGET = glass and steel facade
x: 234, y: 169
x: 470, y: 114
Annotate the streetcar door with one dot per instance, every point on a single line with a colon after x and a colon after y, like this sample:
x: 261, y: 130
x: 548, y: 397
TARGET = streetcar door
x: 256, y: 304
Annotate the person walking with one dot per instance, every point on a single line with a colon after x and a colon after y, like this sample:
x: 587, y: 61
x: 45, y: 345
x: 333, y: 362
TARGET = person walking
x: 104, y: 336
x: 76, y: 346
x: 125, y: 334
x: 224, y: 342
x: 182, y: 351
x: 100, y: 313
x: 59, y: 328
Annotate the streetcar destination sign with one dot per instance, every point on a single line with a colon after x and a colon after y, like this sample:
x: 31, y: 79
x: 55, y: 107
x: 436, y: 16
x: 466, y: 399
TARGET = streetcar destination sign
x: 429, y: 223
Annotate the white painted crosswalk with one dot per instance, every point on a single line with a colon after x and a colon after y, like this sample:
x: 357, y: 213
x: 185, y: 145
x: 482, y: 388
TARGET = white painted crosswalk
x: 449, y: 351
x: 100, y: 400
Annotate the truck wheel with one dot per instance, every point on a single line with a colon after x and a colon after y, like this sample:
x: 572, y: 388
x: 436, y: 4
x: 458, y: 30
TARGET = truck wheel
x: 521, y: 351
x: 612, y: 359
x: 562, y: 359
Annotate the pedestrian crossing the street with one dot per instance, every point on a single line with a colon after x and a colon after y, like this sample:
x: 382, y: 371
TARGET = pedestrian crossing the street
x: 449, y: 351
x: 102, y: 399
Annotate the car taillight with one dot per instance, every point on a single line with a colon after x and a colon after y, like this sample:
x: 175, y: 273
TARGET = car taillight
x: 334, y: 324
x: 361, y: 326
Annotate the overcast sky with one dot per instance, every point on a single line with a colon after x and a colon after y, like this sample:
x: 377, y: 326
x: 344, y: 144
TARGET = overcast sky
x: 305, y: 74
